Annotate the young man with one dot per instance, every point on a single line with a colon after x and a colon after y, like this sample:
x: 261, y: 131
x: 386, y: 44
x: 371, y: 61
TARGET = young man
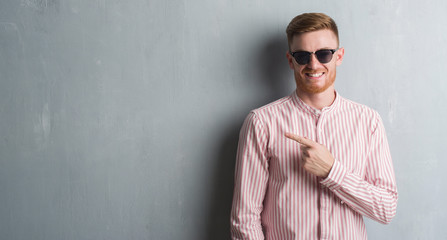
x: 311, y: 165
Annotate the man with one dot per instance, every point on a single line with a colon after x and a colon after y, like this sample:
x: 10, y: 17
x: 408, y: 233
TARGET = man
x: 311, y: 165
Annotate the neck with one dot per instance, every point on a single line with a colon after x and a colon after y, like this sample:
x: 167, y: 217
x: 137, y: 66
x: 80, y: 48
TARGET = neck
x: 317, y: 100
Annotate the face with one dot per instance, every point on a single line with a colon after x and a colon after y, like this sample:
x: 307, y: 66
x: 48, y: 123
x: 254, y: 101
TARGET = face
x: 315, y: 77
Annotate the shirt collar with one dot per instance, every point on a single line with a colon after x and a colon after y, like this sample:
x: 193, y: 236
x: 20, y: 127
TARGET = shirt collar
x: 302, y: 105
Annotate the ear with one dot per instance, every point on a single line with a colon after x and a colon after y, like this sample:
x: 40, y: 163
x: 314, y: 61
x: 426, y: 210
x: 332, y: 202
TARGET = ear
x: 339, y: 55
x: 290, y: 60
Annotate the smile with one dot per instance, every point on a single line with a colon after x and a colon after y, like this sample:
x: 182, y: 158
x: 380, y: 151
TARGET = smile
x: 315, y: 74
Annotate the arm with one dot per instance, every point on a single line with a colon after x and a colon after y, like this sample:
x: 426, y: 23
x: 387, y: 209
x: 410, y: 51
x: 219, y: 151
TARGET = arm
x: 375, y: 195
x: 250, y: 183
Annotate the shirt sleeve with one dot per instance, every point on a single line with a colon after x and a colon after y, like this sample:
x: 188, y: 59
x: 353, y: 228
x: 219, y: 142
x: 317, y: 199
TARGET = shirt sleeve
x: 375, y: 195
x: 250, y: 182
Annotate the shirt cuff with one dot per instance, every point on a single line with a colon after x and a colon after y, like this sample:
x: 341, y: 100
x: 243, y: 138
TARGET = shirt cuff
x: 336, y: 176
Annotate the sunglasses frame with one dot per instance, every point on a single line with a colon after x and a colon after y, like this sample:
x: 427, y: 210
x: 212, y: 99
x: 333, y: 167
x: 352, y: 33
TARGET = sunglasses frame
x: 310, y: 53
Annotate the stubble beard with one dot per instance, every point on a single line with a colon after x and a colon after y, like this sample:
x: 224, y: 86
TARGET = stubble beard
x: 312, y: 89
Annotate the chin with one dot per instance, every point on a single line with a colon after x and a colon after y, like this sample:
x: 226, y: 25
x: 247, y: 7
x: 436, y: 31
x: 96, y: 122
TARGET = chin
x: 312, y: 88
x: 307, y: 86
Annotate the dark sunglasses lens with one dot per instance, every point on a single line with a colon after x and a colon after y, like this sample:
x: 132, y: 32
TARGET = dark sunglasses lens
x: 324, y: 56
x: 302, y: 58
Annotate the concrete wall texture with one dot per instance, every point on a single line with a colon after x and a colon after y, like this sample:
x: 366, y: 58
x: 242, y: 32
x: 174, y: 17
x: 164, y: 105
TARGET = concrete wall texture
x: 120, y: 119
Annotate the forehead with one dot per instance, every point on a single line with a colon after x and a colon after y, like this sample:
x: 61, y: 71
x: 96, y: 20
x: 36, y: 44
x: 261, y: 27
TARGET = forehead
x: 313, y: 41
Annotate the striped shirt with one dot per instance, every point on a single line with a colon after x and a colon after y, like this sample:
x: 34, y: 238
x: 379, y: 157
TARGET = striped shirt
x: 275, y: 198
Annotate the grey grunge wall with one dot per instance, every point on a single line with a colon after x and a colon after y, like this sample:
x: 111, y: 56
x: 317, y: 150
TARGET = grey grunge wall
x: 120, y: 119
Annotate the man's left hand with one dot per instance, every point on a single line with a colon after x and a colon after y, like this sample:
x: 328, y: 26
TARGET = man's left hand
x: 316, y: 158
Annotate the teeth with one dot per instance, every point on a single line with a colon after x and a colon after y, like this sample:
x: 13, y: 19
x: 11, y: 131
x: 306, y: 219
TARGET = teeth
x: 315, y: 74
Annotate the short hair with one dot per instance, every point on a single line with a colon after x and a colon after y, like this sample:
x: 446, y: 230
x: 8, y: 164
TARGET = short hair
x: 309, y: 22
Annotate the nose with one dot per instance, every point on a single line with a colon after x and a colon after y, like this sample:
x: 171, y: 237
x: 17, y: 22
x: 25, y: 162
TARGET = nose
x: 313, y: 62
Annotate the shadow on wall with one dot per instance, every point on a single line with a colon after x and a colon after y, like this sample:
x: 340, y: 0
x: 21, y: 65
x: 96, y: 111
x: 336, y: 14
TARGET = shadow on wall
x: 271, y: 66
x: 273, y: 69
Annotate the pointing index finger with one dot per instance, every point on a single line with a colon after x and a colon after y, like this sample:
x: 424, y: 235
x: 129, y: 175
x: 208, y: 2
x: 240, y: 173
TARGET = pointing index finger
x: 299, y: 139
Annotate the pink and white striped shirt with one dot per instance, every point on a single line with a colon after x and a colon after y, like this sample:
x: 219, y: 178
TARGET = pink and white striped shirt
x: 275, y: 198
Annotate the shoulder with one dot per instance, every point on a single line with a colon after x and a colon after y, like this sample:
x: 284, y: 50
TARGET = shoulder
x: 355, y: 107
x: 263, y: 116
x: 360, y: 112
x: 278, y: 105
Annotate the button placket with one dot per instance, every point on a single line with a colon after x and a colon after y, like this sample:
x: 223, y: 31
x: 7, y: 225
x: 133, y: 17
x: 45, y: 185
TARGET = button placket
x: 324, y: 221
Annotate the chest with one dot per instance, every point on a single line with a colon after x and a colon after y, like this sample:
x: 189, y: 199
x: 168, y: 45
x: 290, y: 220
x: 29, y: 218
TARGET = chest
x: 346, y: 137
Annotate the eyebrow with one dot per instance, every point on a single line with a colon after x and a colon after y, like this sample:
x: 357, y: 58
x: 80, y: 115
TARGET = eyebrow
x: 325, y: 48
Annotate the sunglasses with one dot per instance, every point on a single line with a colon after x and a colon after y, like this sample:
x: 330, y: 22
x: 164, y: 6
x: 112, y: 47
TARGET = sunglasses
x: 323, y: 56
